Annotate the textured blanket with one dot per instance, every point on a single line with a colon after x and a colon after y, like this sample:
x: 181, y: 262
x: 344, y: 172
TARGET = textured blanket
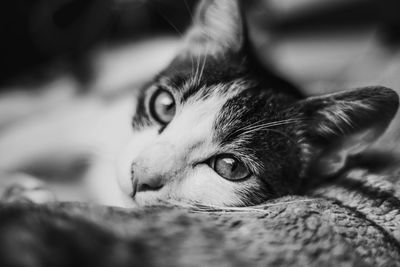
x: 354, y: 221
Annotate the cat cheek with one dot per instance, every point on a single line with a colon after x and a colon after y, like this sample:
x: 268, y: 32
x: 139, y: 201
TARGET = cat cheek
x: 139, y: 142
x: 204, y: 186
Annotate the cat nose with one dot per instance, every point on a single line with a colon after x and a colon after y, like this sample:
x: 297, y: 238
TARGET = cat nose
x: 150, y: 184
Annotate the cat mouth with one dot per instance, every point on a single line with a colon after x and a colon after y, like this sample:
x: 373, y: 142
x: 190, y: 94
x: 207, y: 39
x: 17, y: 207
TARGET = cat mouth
x: 134, y: 183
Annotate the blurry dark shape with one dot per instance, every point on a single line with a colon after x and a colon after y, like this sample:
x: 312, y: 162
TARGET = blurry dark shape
x: 391, y: 25
x: 287, y: 17
x: 66, y: 15
x: 375, y: 161
x: 67, y: 28
x: 36, y: 33
x: 67, y: 25
x: 135, y: 17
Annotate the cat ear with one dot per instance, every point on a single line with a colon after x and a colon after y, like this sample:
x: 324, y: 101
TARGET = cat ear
x: 345, y: 123
x: 218, y: 26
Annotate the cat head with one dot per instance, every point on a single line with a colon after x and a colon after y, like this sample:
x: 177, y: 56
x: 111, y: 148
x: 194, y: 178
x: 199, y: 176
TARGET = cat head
x: 216, y: 128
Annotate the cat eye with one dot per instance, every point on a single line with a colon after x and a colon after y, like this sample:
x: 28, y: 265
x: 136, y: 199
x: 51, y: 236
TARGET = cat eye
x: 162, y: 106
x: 229, y: 167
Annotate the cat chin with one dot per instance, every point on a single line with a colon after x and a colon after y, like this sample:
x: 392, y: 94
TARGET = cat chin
x: 143, y: 199
x: 155, y: 198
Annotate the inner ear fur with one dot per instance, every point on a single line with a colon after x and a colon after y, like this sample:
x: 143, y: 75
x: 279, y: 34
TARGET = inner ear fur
x: 345, y: 123
x: 218, y: 27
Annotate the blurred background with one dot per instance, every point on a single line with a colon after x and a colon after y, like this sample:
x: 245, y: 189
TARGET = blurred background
x: 69, y: 65
x: 309, y: 39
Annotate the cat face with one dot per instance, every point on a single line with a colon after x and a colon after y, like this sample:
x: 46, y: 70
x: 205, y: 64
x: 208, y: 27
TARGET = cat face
x: 215, y: 128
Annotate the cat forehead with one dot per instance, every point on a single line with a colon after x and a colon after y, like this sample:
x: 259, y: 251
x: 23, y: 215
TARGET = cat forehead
x: 232, y: 105
x: 250, y: 108
x: 245, y: 97
x: 189, y: 74
x: 205, y: 70
x: 192, y: 89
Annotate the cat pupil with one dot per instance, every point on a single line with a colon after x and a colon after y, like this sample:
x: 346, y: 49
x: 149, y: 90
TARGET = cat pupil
x: 231, y: 164
x: 167, y: 103
x: 230, y: 168
x: 162, y: 106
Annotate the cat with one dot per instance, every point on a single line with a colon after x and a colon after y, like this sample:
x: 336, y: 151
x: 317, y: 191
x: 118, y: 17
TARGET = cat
x: 218, y: 128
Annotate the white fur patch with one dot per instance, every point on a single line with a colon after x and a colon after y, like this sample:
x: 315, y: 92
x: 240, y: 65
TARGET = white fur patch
x: 179, y: 155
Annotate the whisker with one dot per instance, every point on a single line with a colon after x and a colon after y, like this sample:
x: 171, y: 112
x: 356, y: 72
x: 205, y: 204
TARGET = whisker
x: 199, y: 73
x: 191, y: 83
x: 204, y: 60
x: 195, y: 78
x: 260, y: 126
x: 264, y: 122
x: 284, y: 134
x: 215, y: 208
x: 258, y: 208
x: 171, y: 24
x: 270, y: 124
x: 188, y: 9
